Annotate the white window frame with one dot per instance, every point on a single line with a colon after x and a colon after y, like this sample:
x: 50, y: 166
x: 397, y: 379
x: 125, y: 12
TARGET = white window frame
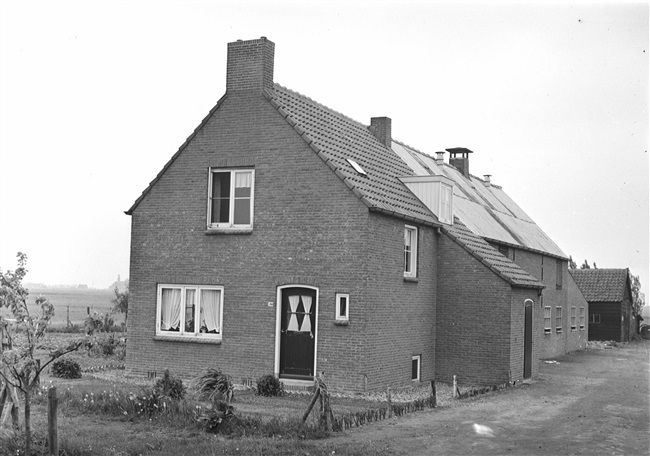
x: 574, y: 312
x: 558, y: 320
x: 411, y: 265
x: 582, y: 318
x: 181, y: 333
x: 340, y: 316
x: 230, y: 224
x: 446, y: 203
x: 547, y: 320
x: 417, y: 358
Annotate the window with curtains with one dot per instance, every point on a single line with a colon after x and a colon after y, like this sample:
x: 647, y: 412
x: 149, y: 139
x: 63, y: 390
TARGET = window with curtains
x: 230, y: 198
x: 190, y: 311
x: 410, y: 251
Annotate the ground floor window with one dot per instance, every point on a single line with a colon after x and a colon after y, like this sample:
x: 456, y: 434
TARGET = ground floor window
x: 594, y: 318
x: 415, y: 367
x: 582, y: 318
x: 547, y: 320
x: 573, y: 318
x: 191, y: 311
x: 558, y: 320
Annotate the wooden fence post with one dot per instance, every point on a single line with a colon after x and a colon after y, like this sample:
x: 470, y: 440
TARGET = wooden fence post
x: 390, y: 403
x: 52, y: 423
x: 433, y: 393
x: 455, y: 386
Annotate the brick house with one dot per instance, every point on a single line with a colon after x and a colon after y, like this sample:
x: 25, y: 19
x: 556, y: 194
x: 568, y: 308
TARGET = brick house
x: 609, y: 293
x: 284, y: 237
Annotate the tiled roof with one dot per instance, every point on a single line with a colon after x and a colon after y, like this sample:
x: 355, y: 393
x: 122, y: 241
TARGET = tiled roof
x: 601, y: 285
x: 489, y: 256
x: 337, y: 138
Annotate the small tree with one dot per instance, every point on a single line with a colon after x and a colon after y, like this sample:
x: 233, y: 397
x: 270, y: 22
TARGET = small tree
x: 121, y: 302
x: 572, y: 263
x: 638, y: 298
x: 18, y: 365
x: 585, y: 265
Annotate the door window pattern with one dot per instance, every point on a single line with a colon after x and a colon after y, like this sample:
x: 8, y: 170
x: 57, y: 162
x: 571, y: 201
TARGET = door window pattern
x: 298, y: 314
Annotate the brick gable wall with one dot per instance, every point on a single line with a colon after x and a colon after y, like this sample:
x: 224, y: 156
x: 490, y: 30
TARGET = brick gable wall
x: 308, y: 229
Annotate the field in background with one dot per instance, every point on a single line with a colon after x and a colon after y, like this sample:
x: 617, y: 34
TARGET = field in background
x: 76, y: 301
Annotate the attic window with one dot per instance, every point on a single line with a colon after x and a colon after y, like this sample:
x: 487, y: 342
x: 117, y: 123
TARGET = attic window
x: 356, y: 167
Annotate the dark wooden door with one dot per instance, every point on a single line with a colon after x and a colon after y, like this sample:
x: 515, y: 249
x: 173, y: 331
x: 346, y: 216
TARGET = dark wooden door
x: 528, y: 340
x: 298, y: 333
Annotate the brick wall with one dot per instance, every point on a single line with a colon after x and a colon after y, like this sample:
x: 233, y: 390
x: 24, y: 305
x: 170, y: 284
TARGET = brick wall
x: 473, y: 319
x: 399, y: 315
x: 308, y: 229
x: 544, y: 269
x: 578, y: 337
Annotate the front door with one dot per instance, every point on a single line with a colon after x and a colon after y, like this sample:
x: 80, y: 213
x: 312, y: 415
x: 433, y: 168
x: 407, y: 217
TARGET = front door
x: 528, y: 339
x: 297, y: 333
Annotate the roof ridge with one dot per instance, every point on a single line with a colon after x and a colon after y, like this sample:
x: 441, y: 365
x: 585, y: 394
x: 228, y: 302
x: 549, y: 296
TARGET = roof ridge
x: 321, y: 105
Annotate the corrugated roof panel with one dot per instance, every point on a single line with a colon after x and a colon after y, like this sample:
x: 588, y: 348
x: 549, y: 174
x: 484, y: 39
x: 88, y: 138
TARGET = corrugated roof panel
x: 485, y: 193
x: 513, y: 208
x: 480, y: 221
x: 412, y: 163
x: 530, y: 234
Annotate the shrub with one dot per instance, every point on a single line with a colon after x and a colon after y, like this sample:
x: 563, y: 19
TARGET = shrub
x: 269, y: 385
x: 66, y: 368
x: 170, y: 387
x: 215, y: 386
x: 210, y: 419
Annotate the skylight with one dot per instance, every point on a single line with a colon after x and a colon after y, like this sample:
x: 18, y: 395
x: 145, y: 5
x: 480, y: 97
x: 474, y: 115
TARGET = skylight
x: 356, y: 167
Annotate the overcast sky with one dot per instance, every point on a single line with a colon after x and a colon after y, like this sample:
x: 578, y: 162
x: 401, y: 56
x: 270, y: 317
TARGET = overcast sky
x: 95, y: 97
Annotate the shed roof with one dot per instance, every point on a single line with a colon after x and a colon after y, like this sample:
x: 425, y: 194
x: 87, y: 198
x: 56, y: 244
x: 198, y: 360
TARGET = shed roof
x: 601, y: 285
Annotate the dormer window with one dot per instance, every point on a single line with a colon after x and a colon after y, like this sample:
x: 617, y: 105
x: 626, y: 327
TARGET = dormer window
x: 436, y: 192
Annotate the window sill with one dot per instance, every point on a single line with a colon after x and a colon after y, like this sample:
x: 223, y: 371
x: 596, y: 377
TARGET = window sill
x: 191, y: 340
x: 410, y: 279
x: 211, y: 231
x: 547, y: 333
x: 342, y: 322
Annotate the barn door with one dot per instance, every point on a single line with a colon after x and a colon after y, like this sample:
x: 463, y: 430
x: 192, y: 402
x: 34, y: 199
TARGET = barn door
x: 528, y: 339
x: 297, y: 333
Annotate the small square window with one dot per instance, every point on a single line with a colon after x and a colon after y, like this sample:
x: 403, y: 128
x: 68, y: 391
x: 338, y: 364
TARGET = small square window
x: 342, y: 306
x: 410, y: 251
x: 594, y: 318
x: 415, y: 367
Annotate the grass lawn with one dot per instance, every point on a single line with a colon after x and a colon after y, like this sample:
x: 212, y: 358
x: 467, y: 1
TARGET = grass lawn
x: 103, y: 413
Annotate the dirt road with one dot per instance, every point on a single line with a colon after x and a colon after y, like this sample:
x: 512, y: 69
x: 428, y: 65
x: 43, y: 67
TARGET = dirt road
x: 593, y: 402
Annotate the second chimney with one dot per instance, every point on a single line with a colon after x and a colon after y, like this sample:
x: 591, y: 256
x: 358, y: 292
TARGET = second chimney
x: 460, y: 163
x: 381, y: 129
x: 250, y: 65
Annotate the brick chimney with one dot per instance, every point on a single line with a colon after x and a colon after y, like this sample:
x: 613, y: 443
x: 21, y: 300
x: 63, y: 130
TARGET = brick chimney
x: 250, y: 65
x: 381, y: 129
x: 461, y: 163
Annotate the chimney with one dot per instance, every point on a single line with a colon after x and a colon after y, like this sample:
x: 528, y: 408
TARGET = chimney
x: 461, y: 163
x: 486, y: 179
x: 381, y: 128
x: 250, y: 65
x: 440, y: 158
